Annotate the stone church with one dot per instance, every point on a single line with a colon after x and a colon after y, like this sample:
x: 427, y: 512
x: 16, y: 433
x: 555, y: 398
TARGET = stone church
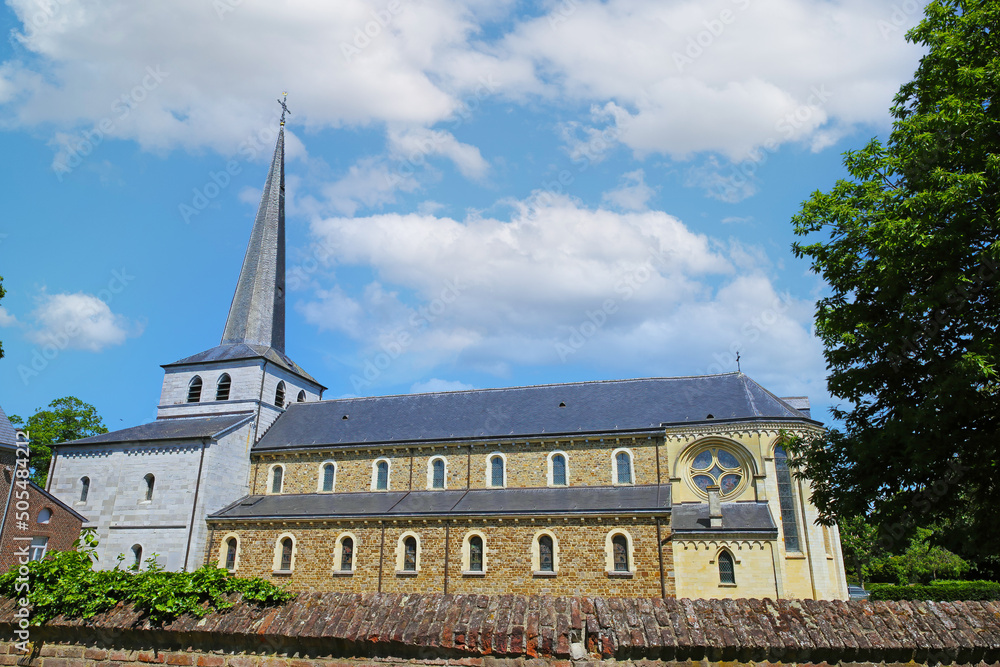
x: 646, y: 487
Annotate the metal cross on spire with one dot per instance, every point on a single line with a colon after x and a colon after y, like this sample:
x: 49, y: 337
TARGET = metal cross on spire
x: 284, y: 108
x: 738, y: 370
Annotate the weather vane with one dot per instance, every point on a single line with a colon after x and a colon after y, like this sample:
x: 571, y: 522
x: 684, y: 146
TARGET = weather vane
x: 738, y: 363
x: 284, y: 108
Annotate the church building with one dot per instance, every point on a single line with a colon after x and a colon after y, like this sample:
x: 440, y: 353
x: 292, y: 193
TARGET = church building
x: 646, y: 487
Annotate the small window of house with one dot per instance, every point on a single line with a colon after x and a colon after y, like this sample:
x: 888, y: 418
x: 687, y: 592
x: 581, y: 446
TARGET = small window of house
x: 194, y: 389
x: 279, y: 395
x: 410, y: 554
x: 546, y: 553
x: 475, y: 554
x: 38, y: 547
x: 301, y: 398
x: 136, y: 556
x: 619, y: 546
x: 346, y: 554
x: 329, y: 473
x: 437, y: 473
x: 231, y: 546
x: 286, y: 555
x: 497, y: 476
x: 45, y: 515
x: 222, y: 390
x: 727, y: 571
x: 381, y: 475
x: 557, y: 463
x: 84, y: 489
x: 277, y: 473
x: 623, y: 467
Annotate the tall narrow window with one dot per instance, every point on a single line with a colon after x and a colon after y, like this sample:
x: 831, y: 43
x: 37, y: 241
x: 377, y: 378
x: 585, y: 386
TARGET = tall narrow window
x: 301, y: 398
x: 194, y: 389
x: 150, y: 481
x: 558, y: 470
x: 382, y: 475
x: 277, y: 472
x: 620, y: 546
x: 346, y: 554
x: 410, y: 554
x: 786, y: 500
x: 546, y: 562
x: 84, y: 489
x: 623, y: 466
x: 231, y: 554
x: 496, y: 471
x: 136, y: 556
x: 286, y: 554
x: 279, y: 395
x: 437, y: 473
x: 727, y: 571
x: 222, y: 390
x: 475, y: 554
x: 328, y: 472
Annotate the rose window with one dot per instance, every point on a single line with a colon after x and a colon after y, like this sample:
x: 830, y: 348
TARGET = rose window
x: 717, y: 466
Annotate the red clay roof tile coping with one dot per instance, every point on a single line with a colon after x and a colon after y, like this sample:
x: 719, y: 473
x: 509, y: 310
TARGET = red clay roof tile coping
x: 448, y: 627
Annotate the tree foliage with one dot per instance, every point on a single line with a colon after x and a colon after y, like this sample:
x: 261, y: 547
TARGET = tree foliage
x: 909, y: 246
x: 66, y: 419
x: 66, y: 583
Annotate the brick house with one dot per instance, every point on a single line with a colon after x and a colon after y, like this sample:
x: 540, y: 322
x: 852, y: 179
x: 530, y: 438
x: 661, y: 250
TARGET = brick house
x: 33, y: 521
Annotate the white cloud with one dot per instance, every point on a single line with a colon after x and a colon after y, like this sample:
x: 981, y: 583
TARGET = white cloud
x: 6, y: 318
x: 557, y: 282
x: 633, y: 194
x: 435, y: 385
x: 411, y: 147
x: 79, y: 321
x: 676, y: 78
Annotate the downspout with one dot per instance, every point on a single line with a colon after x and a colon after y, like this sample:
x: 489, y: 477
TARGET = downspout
x: 659, y: 552
x: 447, y: 550
x: 381, y: 556
x: 194, y: 505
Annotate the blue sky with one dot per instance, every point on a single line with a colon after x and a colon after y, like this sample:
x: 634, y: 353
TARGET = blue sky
x: 480, y: 194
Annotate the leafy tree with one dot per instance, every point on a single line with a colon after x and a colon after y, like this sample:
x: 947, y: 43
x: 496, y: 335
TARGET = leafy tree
x: 909, y: 246
x: 66, y: 419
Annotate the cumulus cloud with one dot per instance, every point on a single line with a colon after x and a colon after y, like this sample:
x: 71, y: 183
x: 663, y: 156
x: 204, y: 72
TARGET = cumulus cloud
x: 7, y: 319
x: 557, y: 283
x: 79, y: 321
x: 633, y: 194
x: 676, y: 78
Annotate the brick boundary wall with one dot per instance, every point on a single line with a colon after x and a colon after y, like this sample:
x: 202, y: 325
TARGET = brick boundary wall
x: 340, y: 629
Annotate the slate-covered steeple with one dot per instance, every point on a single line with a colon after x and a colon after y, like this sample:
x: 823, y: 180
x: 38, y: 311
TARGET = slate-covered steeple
x: 257, y: 314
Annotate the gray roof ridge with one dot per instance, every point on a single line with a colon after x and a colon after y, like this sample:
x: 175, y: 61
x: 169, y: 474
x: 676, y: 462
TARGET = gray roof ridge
x: 519, y: 387
x: 778, y: 398
x: 746, y: 388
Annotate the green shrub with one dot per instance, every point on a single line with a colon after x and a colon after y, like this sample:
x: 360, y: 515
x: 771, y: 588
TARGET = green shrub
x: 942, y: 591
x: 66, y: 583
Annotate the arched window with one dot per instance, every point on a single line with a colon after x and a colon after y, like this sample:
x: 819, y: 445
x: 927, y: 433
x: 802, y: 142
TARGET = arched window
x: 84, y: 489
x: 727, y: 571
x: 380, y: 475
x: 329, y: 475
x: 222, y: 387
x: 150, y: 481
x: 346, y: 554
x: 194, y: 389
x: 437, y: 473
x: 301, y: 398
x: 546, y: 554
x: 286, y: 555
x: 557, y: 469
x: 497, y: 473
x: 279, y: 395
x: 619, y: 545
x: 475, y: 554
x: 409, y: 554
x: 623, y: 467
x: 231, y: 546
x: 277, y: 473
x: 45, y: 515
x: 786, y: 500
x: 136, y: 556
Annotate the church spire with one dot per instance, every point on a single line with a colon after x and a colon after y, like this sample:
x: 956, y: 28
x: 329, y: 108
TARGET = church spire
x: 257, y: 314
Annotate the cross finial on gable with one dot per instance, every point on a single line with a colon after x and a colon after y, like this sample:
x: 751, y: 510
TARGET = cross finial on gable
x: 284, y: 107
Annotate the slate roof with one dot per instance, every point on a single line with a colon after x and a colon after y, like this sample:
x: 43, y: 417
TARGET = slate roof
x: 169, y: 429
x: 8, y: 436
x: 581, y: 500
x: 235, y: 351
x: 556, y: 409
x: 743, y: 517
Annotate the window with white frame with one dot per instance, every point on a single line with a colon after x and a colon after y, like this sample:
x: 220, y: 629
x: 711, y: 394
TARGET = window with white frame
x: 496, y: 471
x: 327, y: 476
x: 545, y: 554
x: 345, y: 553
x: 277, y: 478
x: 619, y: 553
x: 622, y: 468
x: 408, y: 553
x: 437, y: 473
x: 229, y: 552
x: 284, y: 553
x: 38, y: 547
x: 558, y: 474
x: 474, y: 553
x: 380, y: 475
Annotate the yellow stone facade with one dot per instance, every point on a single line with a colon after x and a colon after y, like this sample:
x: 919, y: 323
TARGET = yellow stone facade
x: 662, y: 562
